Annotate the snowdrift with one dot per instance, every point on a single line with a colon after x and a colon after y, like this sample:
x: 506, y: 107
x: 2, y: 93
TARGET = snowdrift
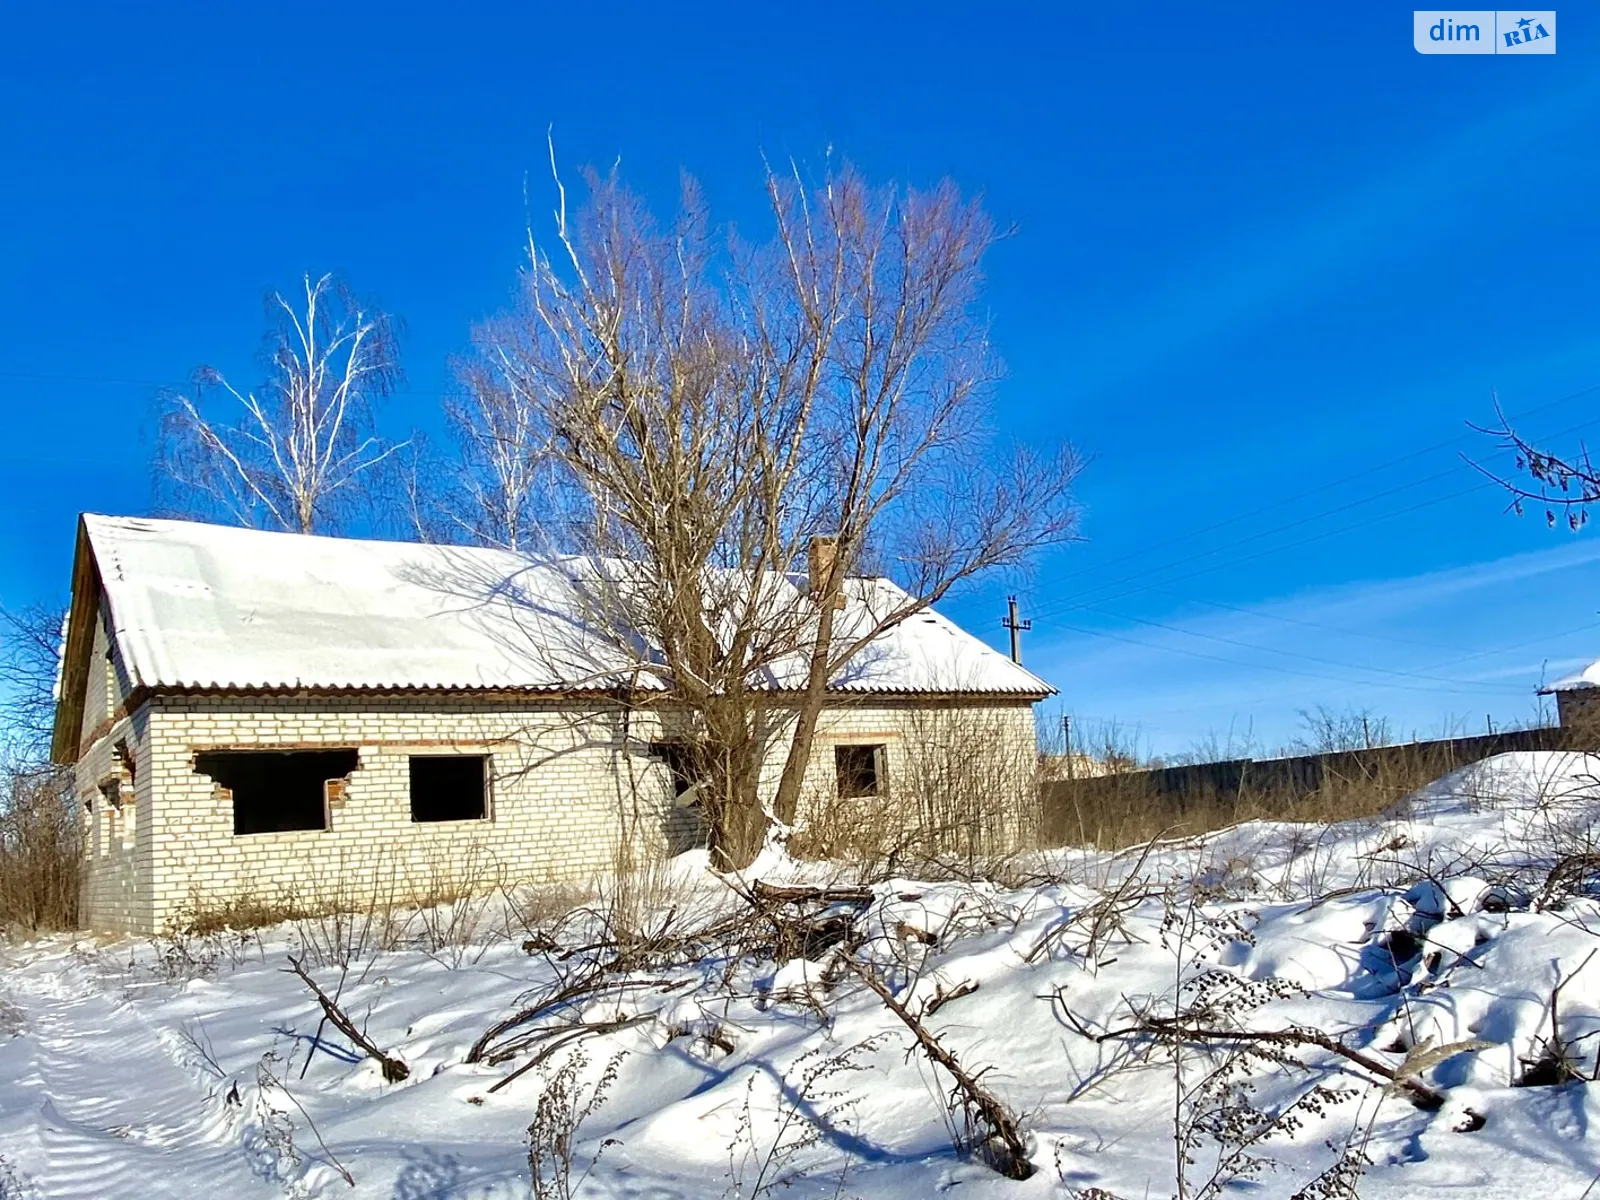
x: 1404, y: 1006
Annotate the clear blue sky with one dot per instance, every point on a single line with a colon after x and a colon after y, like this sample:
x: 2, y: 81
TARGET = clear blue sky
x: 1268, y: 262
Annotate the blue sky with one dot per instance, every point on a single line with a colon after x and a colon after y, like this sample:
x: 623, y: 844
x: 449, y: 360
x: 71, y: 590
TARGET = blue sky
x: 1267, y: 265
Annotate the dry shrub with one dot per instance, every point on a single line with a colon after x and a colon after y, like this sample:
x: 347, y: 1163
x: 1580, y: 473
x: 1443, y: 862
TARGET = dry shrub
x: 962, y: 793
x: 41, y: 853
x: 366, y: 906
x: 644, y: 902
x: 450, y: 900
x: 202, y: 918
x: 554, y: 1133
x: 635, y: 899
x: 533, y: 910
x: 439, y: 906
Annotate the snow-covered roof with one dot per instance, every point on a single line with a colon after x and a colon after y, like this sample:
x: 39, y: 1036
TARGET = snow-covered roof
x: 1587, y: 678
x: 207, y: 606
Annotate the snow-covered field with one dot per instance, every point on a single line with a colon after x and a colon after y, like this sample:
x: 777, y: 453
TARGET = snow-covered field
x: 756, y: 1060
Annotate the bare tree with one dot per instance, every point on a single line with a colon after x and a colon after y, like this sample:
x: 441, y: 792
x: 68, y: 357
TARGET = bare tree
x: 30, y: 647
x: 298, y: 452
x: 1325, y: 731
x: 708, y: 407
x: 498, y: 432
x: 40, y: 834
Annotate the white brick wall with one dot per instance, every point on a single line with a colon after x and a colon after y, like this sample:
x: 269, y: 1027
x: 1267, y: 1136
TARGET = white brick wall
x: 116, y: 842
x: 562, y: 793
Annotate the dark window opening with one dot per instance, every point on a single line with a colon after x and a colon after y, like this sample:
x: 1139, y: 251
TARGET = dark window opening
x: 275, y: 791
x: 859, y: 770
x: 679, y: 759
x: 126, y: 759
x: 448, y: 787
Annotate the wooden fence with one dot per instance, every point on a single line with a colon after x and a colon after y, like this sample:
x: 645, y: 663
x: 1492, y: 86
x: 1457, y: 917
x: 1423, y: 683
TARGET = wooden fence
x: 1384, y: 772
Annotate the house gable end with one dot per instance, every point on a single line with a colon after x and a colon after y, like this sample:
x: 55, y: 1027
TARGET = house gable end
x: 78, y: 653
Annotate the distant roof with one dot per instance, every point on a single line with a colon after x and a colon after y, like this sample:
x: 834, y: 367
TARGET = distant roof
x: 216, y: 607
x: 1587, y: 678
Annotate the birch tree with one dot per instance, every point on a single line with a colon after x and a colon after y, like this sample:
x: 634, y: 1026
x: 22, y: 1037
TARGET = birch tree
x: 497, y: 433
x: 709, y: 405
x: 297, y: 453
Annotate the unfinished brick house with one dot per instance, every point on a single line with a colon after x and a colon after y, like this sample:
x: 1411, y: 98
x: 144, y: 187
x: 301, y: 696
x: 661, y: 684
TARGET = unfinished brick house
x: 256, y: 715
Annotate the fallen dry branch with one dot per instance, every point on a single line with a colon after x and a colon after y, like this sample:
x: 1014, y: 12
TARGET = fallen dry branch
x: 1102, y: 919
x: 585, y: 985
x: 774, y: 893
x: 1003, y: 1141
x: 1569, y: 875
x: 394, y: 1070
x: 1554, y: 1064
x: 1404, y: 1078
x: 799, y: 916
x: 941, y: 997
x: 1010, y: 1156
x: 566, y: 1035
x: 534, y: 1037
x: 567, y: 991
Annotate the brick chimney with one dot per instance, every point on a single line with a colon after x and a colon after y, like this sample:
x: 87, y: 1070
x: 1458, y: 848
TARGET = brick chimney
x: 824, y: 550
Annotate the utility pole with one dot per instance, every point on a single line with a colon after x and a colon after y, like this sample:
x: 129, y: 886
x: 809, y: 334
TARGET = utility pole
x: 1016, y: 627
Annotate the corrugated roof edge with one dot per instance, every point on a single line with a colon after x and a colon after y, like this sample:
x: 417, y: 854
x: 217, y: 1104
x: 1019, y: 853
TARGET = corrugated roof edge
x: 280, y: 689
x: 88, y: 591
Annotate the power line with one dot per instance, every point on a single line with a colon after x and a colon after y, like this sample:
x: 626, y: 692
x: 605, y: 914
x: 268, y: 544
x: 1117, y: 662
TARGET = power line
x: 1361, y: 474
x: 1275, y: 696
x: 1304, y: 624
x: 1344, y: 666
x: 1233, y: 662
x: 1068, y: 601
x: 1073, y: 602
x: 1084, y: 598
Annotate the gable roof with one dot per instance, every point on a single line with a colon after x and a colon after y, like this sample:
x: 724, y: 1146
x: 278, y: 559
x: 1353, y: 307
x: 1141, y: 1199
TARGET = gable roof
x: 197, y: 606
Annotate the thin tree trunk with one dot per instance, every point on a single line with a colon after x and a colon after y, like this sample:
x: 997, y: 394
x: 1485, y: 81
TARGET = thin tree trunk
x: 807, y: 713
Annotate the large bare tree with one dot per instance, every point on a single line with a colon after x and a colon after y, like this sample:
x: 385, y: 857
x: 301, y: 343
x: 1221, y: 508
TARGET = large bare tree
x: 301, y: 450
x: 708, y: 405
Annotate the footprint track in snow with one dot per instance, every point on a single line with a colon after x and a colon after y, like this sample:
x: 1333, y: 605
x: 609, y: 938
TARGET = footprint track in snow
x: 117, y: 1121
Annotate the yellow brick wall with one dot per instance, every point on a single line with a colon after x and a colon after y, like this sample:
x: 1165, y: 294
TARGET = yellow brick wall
x: 117, y: 842
x: 562, y: 793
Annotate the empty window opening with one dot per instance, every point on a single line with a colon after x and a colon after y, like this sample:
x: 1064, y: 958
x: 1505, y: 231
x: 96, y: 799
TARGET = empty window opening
x: 127, y: 761
x: 275, y: 791
x: 859, y: 770
x: 679, y: 758
x: 448, y: 787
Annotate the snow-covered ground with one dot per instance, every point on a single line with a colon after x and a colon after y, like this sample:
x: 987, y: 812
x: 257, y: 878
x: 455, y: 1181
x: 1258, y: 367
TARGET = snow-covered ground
x: 1431, y: 941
